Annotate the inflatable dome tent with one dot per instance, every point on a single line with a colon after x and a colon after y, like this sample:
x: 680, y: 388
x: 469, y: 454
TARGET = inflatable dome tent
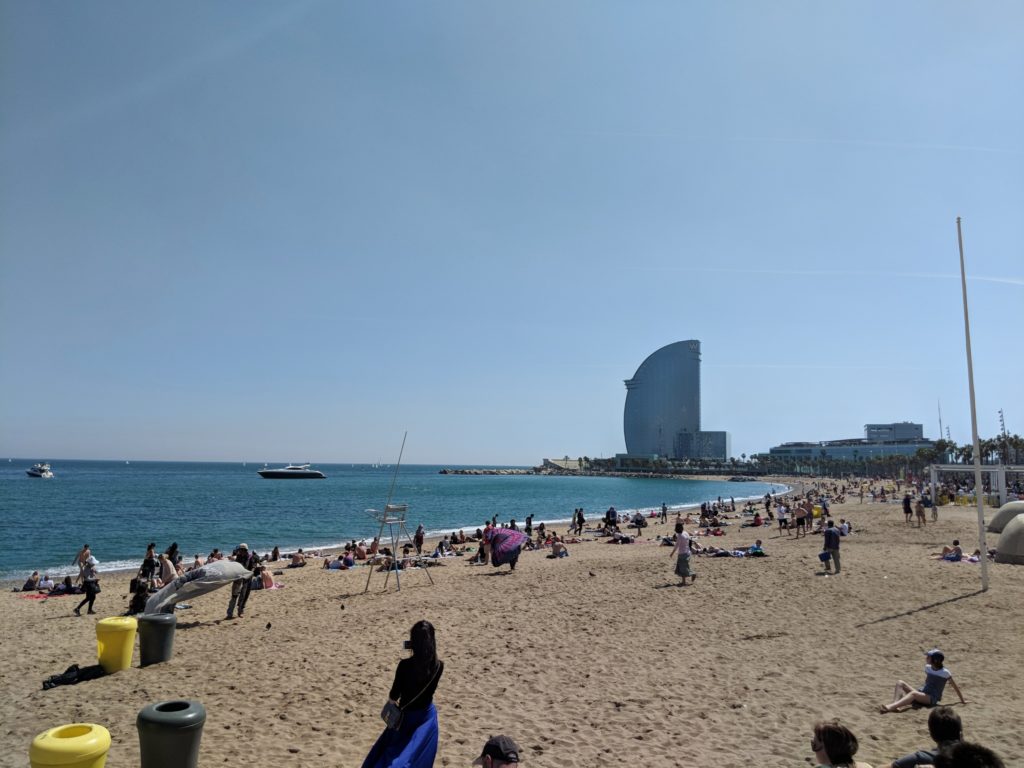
x: 1004, y: 515
x: 1010, y: 548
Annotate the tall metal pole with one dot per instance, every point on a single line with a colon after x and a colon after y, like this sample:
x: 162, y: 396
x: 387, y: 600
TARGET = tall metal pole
x: 978, y: 488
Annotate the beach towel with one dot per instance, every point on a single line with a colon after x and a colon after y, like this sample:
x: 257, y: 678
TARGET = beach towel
x: 505, y: 546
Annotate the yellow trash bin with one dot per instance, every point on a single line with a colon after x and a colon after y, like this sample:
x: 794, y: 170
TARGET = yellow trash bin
x: 79, y: 745
x: 115, y: 642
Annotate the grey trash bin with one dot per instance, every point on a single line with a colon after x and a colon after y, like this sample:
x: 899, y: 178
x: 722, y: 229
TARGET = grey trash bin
x: 169, y: 733
x: 156, y: 637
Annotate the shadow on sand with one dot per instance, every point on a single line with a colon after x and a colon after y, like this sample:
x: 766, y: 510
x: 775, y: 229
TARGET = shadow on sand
x: 912, y: 611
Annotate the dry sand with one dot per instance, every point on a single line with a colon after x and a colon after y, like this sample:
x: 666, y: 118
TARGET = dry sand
x: 596, y: 659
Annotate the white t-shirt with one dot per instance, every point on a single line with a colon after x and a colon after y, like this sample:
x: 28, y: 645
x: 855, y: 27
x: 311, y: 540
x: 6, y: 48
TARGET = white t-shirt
x: 782, y: 512
x: 683, y: 543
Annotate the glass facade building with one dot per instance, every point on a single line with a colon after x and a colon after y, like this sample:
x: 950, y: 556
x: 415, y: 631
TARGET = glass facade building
x: 662, y: 413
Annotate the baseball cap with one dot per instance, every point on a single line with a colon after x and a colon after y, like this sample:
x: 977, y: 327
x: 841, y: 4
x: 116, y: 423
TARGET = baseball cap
x: 500, y: 748
x: 935, y: 653
x: 243, y: 546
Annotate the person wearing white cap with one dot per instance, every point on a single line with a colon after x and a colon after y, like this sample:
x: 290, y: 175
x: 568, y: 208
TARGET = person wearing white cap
x: 498, y: 751
x: 90, y: 583
x: 929, y: 694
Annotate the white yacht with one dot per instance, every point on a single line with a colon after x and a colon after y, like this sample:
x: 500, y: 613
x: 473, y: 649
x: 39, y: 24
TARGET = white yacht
x: 41, y: 469
x: 292, y: 472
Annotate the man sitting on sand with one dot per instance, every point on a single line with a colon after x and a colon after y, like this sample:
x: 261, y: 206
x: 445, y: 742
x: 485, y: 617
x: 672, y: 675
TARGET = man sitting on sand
x: 558, y: 549
x: 945, y: 729
x: 298, y: 559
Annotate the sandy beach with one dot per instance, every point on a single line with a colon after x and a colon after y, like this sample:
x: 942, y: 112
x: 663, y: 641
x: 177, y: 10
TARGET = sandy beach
x: 595, y: 659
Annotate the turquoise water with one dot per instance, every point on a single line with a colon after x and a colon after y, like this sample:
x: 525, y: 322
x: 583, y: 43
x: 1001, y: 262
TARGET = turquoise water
x: 117, y: 508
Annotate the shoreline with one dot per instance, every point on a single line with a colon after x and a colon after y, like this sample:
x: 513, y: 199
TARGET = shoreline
x: 120, y: 567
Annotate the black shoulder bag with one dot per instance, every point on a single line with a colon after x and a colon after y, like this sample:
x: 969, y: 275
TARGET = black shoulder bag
x: 392, y: 714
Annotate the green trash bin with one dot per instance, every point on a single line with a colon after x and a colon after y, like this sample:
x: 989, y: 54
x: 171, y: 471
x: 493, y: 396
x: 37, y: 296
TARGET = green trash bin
x: 169, y: 734
x: 156, y: 637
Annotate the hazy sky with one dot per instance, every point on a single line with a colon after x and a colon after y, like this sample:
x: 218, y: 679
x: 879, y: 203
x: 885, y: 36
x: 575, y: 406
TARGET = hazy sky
x: 273, y: 231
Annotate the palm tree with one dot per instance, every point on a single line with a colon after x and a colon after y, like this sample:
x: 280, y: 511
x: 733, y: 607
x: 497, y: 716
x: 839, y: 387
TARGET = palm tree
x: 965, y: 453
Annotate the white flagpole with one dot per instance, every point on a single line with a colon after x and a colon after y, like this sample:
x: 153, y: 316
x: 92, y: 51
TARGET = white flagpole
x: 978, y: 488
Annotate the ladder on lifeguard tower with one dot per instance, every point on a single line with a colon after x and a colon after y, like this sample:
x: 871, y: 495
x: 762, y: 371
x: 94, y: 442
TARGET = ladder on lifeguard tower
x: 393, y: 517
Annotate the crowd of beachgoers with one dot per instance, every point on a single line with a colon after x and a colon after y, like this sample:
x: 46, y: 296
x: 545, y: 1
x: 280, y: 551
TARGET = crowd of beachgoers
x: 822, y: 513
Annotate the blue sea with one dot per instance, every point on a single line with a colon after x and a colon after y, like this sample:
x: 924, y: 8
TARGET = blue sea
x: 118, y: 507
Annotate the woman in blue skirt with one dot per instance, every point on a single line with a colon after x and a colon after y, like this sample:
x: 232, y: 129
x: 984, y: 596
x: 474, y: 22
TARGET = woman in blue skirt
x: 413, y: 744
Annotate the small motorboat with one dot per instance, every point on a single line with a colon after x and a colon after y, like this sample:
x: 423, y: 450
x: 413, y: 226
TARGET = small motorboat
x: 292, y: 472
x: 39, y: 470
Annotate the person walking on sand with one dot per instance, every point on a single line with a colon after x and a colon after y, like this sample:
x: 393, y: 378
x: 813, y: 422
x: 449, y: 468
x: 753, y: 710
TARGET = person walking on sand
x: 928, y: 695
x: 417, y: 539
x: 800, y: 518
x: 83, y: 555
x: 831, y: 536
x: 919, y: 512
x: 240, y: 588
x: 682, y: 552
x: 907, y: 510
x: 91, y: 585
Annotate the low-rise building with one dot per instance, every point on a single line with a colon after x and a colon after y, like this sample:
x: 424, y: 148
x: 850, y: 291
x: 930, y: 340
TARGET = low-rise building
x: 897, y: 439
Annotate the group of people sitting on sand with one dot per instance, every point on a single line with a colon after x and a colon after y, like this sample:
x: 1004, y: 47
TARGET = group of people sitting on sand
x: 45, y: 585
x: 954, y: 554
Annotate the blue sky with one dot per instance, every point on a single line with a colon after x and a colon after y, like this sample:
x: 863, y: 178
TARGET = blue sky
x: 268, y: 232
